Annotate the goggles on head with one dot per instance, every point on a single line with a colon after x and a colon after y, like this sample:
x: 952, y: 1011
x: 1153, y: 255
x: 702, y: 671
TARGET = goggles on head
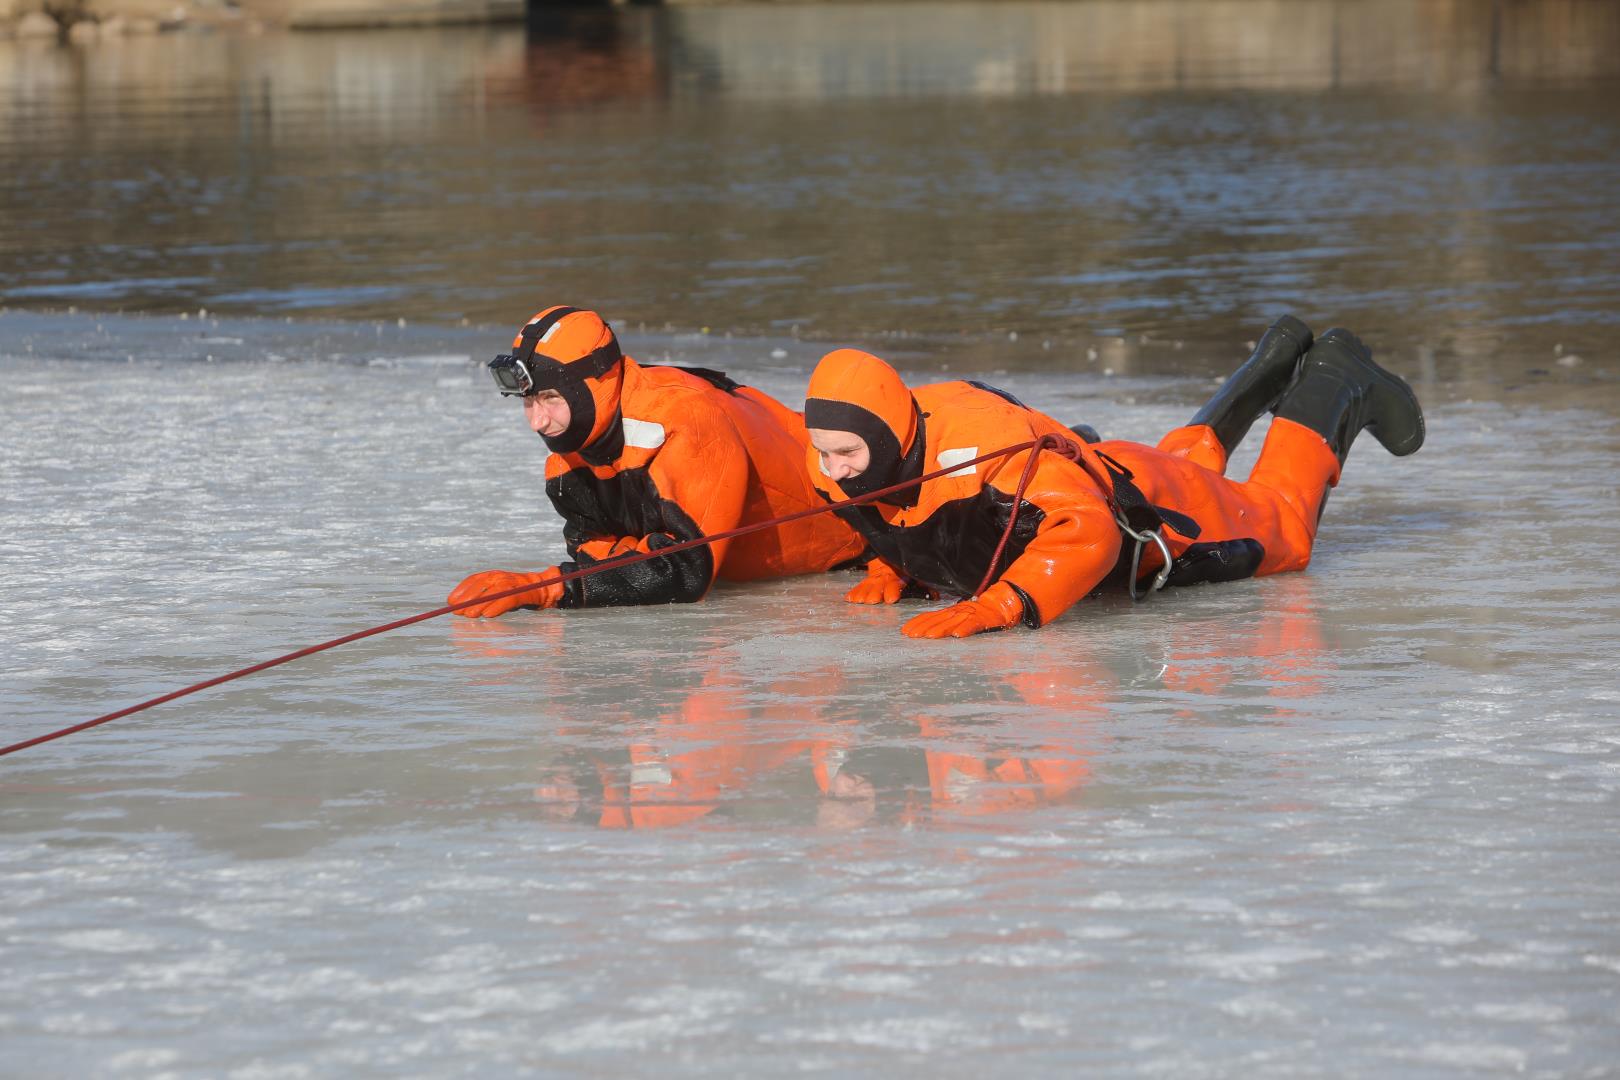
x: 527, y: 371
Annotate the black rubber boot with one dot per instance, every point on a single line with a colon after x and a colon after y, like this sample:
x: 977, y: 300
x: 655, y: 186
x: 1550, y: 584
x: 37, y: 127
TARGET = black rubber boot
x: 1254, y: 389
x: 1340, y: 391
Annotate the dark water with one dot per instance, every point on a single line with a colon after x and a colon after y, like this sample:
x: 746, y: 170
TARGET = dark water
x: 1015, y: 183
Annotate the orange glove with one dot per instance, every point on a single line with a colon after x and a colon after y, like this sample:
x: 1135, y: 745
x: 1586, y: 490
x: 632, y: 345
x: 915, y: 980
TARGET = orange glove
x: 997, y: 609
x: 497, y: 581
x: 882, y: 585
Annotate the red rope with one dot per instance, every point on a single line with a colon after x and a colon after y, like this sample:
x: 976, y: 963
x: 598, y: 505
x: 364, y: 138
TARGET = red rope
x: 1058, y: 445
x: 627, y: 560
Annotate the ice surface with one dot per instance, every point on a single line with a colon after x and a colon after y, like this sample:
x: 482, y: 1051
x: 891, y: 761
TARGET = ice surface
x: 1355, y: 821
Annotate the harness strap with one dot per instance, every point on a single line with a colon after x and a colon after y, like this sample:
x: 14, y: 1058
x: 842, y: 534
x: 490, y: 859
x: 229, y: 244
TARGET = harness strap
x: 1142, y: 521
x: 1140, y: 514
x: 593, y: 365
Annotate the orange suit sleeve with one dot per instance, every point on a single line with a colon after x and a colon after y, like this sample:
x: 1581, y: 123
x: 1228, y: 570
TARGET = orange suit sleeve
x: 696, y: 486
x: 1076, y: 545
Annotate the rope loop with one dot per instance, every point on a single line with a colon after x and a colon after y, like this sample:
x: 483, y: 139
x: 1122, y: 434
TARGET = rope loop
x: 1052, y: 443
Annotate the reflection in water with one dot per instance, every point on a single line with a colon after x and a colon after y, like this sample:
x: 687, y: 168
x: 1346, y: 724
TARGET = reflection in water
x: 1441, y: 176
x: 700, y: 760
x: 575, y: 58
x: 1282, y: 648
x: 1016, y: 49
x: 718, y: 748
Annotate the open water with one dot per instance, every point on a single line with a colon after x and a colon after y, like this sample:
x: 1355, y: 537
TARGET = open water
x: 1358, y: 821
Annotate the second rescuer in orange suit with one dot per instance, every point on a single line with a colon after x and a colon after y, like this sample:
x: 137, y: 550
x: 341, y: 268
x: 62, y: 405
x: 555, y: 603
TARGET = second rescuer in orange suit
x: 644, y: 457
x: 868, y: 432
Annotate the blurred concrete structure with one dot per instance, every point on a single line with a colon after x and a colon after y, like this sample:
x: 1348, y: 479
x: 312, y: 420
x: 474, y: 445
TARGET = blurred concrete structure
x: 1022, y: 46
x: 852, y: 48
x: 322, y: 14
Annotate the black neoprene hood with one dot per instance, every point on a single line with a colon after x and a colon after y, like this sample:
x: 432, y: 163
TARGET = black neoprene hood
x: 886, y: 465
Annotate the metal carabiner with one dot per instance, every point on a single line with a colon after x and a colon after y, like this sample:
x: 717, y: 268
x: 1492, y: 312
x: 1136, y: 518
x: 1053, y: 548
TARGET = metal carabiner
x: 1141, y: 539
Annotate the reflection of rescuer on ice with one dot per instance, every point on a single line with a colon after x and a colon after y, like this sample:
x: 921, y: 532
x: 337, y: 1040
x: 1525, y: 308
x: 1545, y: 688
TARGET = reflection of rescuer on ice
x: 644, y: 457
x: 1082, y: 520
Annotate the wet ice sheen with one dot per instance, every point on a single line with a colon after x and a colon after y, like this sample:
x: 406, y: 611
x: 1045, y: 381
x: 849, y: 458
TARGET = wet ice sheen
x: 1357, y: 820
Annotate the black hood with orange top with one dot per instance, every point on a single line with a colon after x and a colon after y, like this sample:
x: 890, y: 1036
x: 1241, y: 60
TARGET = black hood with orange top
x: 575, y: 353
x: 856, y: 392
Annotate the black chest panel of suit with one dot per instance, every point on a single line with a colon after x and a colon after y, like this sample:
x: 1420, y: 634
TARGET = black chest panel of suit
x: 628, y: 504
x: 951, y: 549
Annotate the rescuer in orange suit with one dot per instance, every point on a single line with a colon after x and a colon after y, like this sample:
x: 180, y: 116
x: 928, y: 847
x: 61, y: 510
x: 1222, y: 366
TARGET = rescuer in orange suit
x: 644, y: 457
x: 1113, y: 504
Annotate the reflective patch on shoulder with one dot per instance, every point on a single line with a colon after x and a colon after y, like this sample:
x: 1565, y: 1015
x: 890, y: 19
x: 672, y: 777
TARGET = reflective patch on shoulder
x: 948, y: 458
x: 643, y: 434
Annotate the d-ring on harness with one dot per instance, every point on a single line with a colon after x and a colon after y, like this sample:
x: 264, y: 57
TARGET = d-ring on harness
x: 1142, y: 521
x: 1141, y: 538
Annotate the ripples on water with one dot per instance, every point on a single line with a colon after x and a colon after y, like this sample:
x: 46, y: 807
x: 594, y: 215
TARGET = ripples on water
x: 1352, y: 821
x: 1436, y: 175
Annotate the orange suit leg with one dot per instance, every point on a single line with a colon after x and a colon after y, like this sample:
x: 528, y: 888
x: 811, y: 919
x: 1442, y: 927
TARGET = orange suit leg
x: 1198, y: 444
x: 1279, y: 505
x: 1298, y: 467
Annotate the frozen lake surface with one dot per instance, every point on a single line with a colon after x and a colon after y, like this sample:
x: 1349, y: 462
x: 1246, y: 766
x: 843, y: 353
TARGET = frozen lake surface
x: 1359, y: 821
x: 1355, y: 821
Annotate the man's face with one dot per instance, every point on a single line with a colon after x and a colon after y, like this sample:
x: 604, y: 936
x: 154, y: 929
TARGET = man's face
x: 844, y: 454
x: 547, y: 413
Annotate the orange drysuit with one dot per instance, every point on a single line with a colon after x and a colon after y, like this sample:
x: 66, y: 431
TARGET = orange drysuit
x: 1067, y: 540
x: 654, y: 456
